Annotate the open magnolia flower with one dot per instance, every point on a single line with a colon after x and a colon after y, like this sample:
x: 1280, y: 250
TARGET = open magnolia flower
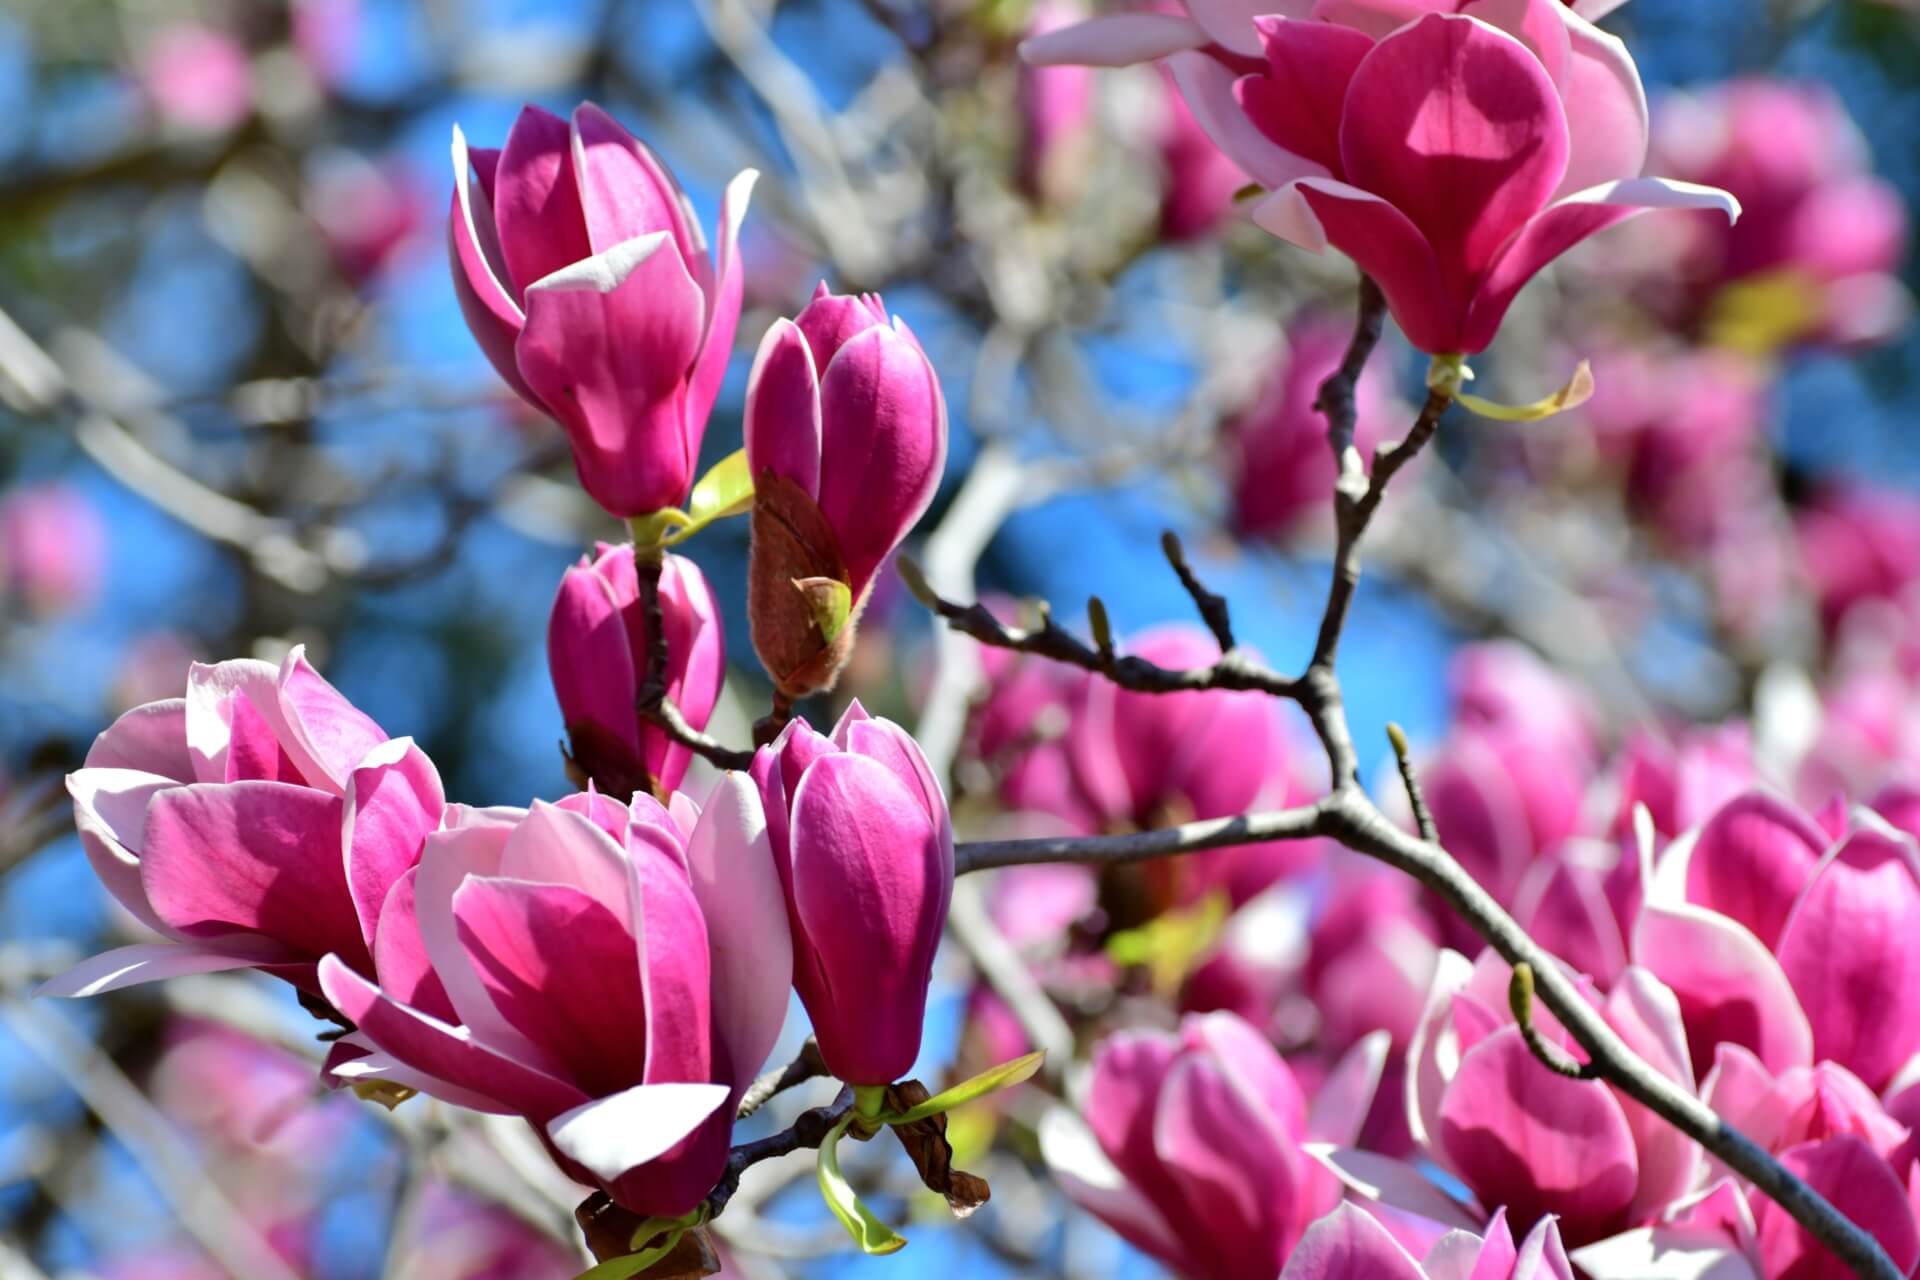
x: 1451, y: 148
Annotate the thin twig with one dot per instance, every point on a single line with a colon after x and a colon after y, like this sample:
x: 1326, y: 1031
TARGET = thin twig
x: 1551, y: 1055
x: 806, y: 1065
x: 1416, y: 797
x: 809, y: 1129
x: 1213, y: 608
x: 652, y: 704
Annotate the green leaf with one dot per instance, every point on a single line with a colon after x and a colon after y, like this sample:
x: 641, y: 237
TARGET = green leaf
x: 1004, y: 1076
x: 832, y: 603
x: 656, y: 529
x: 726, y: 490
x: 872, y: 1235
x: 634, y: 1263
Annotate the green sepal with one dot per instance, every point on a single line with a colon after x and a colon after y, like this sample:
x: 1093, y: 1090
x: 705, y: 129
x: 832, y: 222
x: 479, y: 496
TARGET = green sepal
x: 869, y: 1233
x: 1005, y: 1076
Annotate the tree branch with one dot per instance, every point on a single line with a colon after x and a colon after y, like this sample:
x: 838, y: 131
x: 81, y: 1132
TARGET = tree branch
x: 652, y: 704
x: 806, y: 1065
x: 809, y: 1129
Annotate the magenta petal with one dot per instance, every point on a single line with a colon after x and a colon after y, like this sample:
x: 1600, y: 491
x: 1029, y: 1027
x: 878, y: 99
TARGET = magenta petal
x: 1297, y: 102
x: 871, y: 883
x: 400, y: 958
x: 1348, y: 1244
x: 536, y: 200
x: 1128, y: 1070
x: 1459, y: 127
x: 1089, y: 1179
x: 1382, y: 242
x: 624, y: 189
x: 392, y: 803
x: 110, y: 811
x: 264, y: 857
x: 590, y: 655
x: 445, y: 1052
x: 1567, y: 222
x: 782, y: 425
x: 1647, y: 1016
x: 330, y: 737
x: 607, y: 346
x: 674, y: 967
x: 1857, y: 1182
x: 883, y: 445
x: 723, y: 301
x: 1751, y: 861
x: 1607, y: 123
x: 1537, y: 1142
x: 150, y: 738
x: 1237, y: 1172
x: 212, y: 691
x: 730, y: 865
x: 1210, y: 90
x: 1729, y: 985
x: 1852, y: 953
x: 831, y: 320
x: 561, y: 969
x: 487, y: 299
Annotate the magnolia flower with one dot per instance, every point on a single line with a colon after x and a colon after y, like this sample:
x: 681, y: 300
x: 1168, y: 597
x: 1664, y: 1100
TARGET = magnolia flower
x: 1788, y: 938
x: 53, y: 549
x: 598, y: 650
x: 1451, y: 150
x: 864, y: 847
x: 256, y: 823
x: 846, y: 435
x: 614, y: 976
x: 586, y: 281
x: 1519, y: 1136
x: 1348, y: 1244
x: 1191, y: 1146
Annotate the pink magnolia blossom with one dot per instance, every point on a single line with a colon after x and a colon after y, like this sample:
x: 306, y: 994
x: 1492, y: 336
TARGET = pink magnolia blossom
x: 860, y: 834
x: 53, y: 548
x: 198, y: 78
x: 1817, y: 219
x: 1682, y: 428
x: 1500, y: 799
x: 1791, y: 941
x: 1683, y: 778
x: 843, y: 403
x: 1191, y: 1146
x: 586, y: 281
x: 1143, y: 760
x: 367, y: 212
x: 258, y: 822
x: 614, y: 976
x: 1056, y: 112
x: 597, y: 649
x: 1451, y: 149
x: 1858, y: 542
x: 1282, y: 470
x: 1518, y: 1136
x: 1823, y: 1123
x: 1349, y: 1244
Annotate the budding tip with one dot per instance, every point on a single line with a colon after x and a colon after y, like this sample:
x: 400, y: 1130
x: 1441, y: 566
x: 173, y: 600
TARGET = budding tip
x: 1398, y: 737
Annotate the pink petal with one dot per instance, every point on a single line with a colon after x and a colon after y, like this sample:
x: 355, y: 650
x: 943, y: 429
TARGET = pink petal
x: 730, y: 865
x: 480, y: 282
x: 400, y: 958
x: 1128, y: 1071
x: 110, y: 810
x: 1541, y: 1256
x: 264, y: 857
x: 1647, y: 1016
x: 1858, y: 1183
x: 894, y: 747
x: 624, y: 190
x: 1664, y: 1253
x: 608, y: 346
x: 674, y: 967
x: 1380, y: 1181
x: 1751, y: 861
x: 558, y: 846
x: 561, y: 969
x: 723, y: 302
x: 1852, y: 953
x: 1230, y: 23
x: 151, y: 961
x: 1348, y: 1244
x: 1537, y: 1142
x: 1238, y: 1172
x: 782, y: 423
x: 393, y: 801
x: 1742, y: 1091
x: 1090, y: 1180
x: 590, y: 655
x: 1729, y: 985
x: 696, y: 660
x: 536, y: 200
x: 327, y: 736
x: 883, y: 445
x: 1458, y: 126
x: 613, y: 1135
x: 870, y: 888
x: 1297, y: 102
x: 1607, y: 124
x: 1383, y: 242
x: 444, y: 1052
x: 1208, y: 86
x: 831, y: 320
x: 1113, y: 40
x: 1341, y: 1103
x: 150, y: 739
x: 211, y: 693
x: 1567, y: 222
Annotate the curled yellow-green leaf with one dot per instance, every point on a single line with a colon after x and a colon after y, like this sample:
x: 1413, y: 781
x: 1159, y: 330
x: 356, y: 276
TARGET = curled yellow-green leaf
x: 871, y: 1235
